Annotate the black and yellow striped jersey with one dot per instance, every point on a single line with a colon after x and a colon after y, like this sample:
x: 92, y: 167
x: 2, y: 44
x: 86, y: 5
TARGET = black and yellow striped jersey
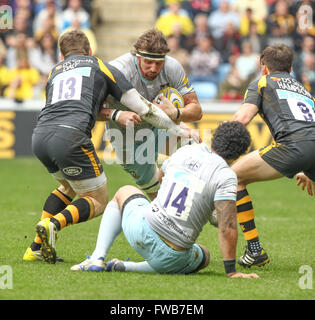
x: 76, y: 91
x: 285, y: 105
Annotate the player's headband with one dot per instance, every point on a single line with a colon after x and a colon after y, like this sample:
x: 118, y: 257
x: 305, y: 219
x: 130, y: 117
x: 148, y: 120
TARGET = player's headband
x: 150, y: 55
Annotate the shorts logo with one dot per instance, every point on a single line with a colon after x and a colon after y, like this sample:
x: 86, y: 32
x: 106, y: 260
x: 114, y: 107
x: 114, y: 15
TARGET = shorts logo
x: 72, y: 171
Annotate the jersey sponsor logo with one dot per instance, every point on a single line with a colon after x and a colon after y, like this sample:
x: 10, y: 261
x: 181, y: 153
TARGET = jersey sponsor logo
x: 293, y: 85
x: 73, y: 63
x: 72, y: 171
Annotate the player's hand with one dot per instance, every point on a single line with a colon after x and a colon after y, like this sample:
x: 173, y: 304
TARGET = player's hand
x: 304, y: 181
x: 191, y: 133
x: 168, y: 107
x: 243, y: 275
x: 128, y: 117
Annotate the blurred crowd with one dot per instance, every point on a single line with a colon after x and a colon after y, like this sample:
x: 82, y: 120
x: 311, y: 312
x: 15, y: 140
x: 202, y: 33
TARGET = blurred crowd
x: 218, y: 42
x: 29, y: 50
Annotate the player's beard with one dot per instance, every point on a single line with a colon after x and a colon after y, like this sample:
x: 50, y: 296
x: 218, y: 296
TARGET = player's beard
x: 150, y: 76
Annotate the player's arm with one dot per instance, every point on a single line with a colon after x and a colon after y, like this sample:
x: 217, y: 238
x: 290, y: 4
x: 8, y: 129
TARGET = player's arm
x: 250, y: 106
x: 245, y: 113
x: 191, y: 112
x: 122, y: 117
x: 227, y: 226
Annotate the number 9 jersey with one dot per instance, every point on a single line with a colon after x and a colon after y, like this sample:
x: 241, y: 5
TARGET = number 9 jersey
x: 285, y: 105
x: 76, y: 91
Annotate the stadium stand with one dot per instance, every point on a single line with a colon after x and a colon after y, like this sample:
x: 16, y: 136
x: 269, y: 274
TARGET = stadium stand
x: 238, y: 30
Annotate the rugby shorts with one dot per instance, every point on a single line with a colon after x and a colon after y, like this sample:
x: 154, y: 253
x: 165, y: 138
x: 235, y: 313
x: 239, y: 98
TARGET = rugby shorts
x: 291, y: 158
x: 142, y: 238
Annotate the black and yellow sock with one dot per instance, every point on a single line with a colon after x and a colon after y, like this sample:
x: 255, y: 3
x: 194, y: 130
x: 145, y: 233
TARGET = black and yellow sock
x: 78, y: 211
x: 55, y: 203
x: 245, y: 217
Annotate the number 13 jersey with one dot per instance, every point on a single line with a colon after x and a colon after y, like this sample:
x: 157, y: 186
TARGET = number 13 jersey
x: 194, y: 178
x: 76, y: 90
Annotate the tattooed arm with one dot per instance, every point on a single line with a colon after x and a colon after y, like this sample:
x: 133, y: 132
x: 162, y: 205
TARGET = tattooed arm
x: 226, y: 215
x: 227, y: 224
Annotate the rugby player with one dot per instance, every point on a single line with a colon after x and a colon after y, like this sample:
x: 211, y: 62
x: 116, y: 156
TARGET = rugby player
x: 196, y: 180
x: 75, y: 93
x: 149, y: 69
x: 288, y: 110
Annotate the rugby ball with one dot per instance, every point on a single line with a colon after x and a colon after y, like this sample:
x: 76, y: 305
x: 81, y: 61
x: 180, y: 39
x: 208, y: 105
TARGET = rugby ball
x: 172, y: 95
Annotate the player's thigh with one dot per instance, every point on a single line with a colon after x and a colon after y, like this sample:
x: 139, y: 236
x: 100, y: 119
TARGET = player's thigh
x: 252, y: 168
x: 134, y: 223
x: 126, y: 194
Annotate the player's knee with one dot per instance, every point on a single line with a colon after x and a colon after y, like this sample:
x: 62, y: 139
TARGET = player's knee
x: 66, y: 189
x: 124, y: 193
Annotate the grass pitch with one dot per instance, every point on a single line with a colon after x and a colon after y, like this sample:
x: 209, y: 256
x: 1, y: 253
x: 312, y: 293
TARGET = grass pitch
x: 284, y: 217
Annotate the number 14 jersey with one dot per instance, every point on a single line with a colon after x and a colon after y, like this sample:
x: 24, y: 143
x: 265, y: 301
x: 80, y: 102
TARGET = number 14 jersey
x: 194, y: 178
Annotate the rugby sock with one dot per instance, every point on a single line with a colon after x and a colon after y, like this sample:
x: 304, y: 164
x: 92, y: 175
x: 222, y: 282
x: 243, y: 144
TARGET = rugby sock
x: 131, y: 266
x: 245, y: 217
x: 110, y: 228
x: 77, y: 211
x: 55, y: 203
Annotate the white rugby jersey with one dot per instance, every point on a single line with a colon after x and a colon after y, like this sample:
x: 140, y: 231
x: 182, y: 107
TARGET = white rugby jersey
x: 194, y: 178
x: 171, y: 75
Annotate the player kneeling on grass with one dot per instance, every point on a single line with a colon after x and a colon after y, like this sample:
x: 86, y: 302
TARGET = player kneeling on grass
x: 75, y: 93
x: 194, y: 181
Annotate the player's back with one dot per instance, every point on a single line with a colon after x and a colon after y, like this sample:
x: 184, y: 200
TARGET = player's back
x: 194, y: 178
x: 76, y: 90
x: 285, y: 105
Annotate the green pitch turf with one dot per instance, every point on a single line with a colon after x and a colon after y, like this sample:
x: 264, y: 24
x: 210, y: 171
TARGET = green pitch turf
x: 285, y: 218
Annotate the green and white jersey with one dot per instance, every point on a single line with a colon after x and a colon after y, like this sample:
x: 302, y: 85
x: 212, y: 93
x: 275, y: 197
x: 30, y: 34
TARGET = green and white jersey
x: 194, y: 178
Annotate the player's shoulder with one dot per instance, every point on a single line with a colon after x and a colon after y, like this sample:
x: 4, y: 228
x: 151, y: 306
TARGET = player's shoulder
x: 171, y: 63
x: 124, y: 59
x: 125, y: 64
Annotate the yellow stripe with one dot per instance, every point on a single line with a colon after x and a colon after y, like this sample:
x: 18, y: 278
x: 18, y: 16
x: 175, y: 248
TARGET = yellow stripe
x: 45, y: 215
x: 245, y: 95
x: 74, y: 213
x: 245, y: 216
x: 37, y: 239
x: 243, y: 200
x: 91, y: 207
x: 105, y: 69
x: 262, y: 83
x: 93, y: 161
x: 252, y: 234
x: 61, y: 219
x: 61, y: 196
x: 268, y: 148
